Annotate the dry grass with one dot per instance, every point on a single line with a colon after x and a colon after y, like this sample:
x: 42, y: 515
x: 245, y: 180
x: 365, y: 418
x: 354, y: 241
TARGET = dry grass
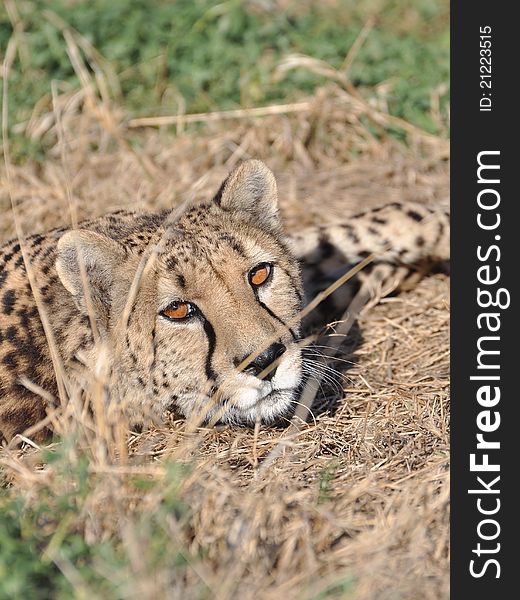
x: 357, y: 504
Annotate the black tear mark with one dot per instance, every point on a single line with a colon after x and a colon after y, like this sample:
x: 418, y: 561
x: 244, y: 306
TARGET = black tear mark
x: 275, y: 316
x: 212, y: 342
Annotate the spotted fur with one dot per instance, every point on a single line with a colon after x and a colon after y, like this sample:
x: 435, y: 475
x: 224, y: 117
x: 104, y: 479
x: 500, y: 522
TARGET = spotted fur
x: 103, y: 290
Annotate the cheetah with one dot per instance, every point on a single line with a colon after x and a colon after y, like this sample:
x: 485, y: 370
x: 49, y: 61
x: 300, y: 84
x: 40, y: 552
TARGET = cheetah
x: 199, y: 306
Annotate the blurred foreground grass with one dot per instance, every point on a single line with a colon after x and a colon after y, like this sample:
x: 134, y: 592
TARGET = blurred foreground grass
x: 45, y: 551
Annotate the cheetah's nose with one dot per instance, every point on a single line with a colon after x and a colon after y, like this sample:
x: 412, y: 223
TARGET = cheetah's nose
x: 263, y: 360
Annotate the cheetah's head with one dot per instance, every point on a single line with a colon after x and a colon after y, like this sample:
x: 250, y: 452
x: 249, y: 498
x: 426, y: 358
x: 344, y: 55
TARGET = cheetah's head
x: 209, y: 325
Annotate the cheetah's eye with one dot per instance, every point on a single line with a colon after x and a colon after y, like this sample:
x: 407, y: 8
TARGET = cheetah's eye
x: 260, y: 274
x: 178, y: 311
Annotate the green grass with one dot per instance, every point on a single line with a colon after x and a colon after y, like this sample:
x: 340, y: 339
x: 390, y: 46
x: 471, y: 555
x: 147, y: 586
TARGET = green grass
x: 44, y: 552
x: 222, y: 55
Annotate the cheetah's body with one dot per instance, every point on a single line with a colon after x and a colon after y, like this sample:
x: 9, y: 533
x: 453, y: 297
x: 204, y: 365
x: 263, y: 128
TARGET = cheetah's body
x: 108, y: 285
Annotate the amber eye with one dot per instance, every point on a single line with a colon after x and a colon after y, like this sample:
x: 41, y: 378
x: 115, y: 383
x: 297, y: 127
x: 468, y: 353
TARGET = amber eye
x: 260, y: 274
x: 178, y: 310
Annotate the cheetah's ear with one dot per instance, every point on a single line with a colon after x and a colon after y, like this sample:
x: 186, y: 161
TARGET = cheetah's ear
x: 100, y: 256
x: 250, y: 190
